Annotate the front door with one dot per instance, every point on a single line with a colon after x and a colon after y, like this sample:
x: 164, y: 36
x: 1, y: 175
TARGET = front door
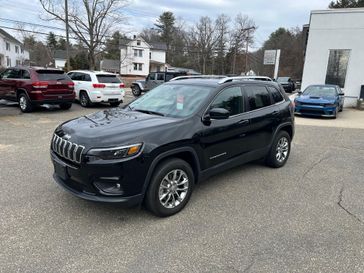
x: 151, y: 81
x: 222, y: 140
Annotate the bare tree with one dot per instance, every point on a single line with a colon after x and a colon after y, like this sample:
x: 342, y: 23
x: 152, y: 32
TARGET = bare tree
x: 222, y: 27
x: 89, y: 20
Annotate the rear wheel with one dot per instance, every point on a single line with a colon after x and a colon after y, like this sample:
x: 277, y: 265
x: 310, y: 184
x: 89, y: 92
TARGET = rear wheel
x: 135, y: 89
x: 25, y: 103
x: 65, y: 106
x: 115, y: 103
x: 170, y: 188
x: 280, y: 150
x: 84, y: 99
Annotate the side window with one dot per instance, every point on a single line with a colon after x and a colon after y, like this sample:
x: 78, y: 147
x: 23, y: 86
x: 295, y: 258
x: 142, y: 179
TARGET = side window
x: 160, y: 77
x: 276, y: 95
x: 152, y: 76
x: 25, y: 74
x: 11, y: 74
x: 70, y: 75
x: 87, y: 78
x: 230, y: 99
x: 77, y: 77
x: 7, y: 73
x: 258, y: 96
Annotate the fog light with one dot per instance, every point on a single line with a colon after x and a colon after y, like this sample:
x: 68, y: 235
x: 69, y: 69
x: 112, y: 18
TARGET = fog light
x: 113, y: 188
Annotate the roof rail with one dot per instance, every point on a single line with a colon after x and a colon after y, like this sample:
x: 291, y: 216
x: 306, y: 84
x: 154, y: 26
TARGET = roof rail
x: 198, y: 77
x: 245, y: 78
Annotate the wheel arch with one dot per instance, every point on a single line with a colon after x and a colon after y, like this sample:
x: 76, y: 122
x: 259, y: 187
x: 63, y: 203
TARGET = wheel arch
x: 187, y: 154
x: 288, y: 127
x: 21, y: 91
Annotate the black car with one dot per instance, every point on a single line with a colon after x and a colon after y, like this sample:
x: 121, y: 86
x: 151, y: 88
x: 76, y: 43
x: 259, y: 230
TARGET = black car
x: 287, y: 83
x: 156, y: 149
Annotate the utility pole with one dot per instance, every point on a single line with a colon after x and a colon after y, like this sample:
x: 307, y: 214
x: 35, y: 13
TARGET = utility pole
x: 67, y: 36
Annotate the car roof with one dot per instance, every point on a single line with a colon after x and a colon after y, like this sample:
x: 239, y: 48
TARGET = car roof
x: 217, y: 82
x: 323, y: 85
x: 93, y: 72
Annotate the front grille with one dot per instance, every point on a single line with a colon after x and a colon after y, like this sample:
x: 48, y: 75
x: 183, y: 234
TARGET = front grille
x: 67, y: 149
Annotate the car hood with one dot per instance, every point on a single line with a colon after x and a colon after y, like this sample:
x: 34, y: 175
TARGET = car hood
x: 114, y: 127
x: 316, y: 99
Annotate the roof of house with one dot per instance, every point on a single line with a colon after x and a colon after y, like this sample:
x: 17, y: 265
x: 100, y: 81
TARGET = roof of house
x: 9, y: 37
x: 154, y: 45
x: 107, y: 64
x: 158, y: 46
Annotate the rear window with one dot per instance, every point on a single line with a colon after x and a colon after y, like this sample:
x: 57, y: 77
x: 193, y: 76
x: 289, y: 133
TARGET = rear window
x: 52, y: 75
x: 108, y: 79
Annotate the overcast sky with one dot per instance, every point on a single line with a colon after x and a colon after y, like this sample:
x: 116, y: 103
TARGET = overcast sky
x: 268, y: 15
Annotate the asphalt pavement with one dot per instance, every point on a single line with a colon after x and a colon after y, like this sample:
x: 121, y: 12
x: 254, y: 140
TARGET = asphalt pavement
x: 305, y: 217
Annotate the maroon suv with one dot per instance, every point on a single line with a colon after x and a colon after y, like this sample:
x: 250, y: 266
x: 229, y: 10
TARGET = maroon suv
x: 31, y: 86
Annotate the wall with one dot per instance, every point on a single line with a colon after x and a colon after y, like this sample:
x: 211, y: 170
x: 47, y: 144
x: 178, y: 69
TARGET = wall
x: 22, y: 57
x: 336, y: 29
x: 127, y: 59
x: 158, y: 56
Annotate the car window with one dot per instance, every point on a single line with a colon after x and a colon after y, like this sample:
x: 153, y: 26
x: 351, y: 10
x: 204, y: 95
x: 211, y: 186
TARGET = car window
x: 276, y: 95
x: 169, y: 77
x: 320, y: 91
x: 258, y: 96
x: 105, y: 78
x: 152, y: 76
x: 160, y: 77
x: 25, y: 74
x: 86, y: 77
x: 77, y: 76
x: 230, y: 99
x: 11, y: 74
x: 51, y: 75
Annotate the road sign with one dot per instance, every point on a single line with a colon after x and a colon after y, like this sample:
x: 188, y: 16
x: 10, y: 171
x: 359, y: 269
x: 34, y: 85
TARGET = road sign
x: 270, y: 57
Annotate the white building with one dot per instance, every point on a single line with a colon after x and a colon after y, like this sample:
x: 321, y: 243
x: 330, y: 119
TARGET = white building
x: 335, y: 51
x: 12, y: 51
x: 138, y: 58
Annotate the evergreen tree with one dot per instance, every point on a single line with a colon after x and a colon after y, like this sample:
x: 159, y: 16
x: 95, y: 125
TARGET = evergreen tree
x: 166, y: 26
x: 346, y: 4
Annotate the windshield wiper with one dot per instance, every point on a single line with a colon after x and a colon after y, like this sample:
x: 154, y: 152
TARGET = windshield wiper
x: 149, y: 112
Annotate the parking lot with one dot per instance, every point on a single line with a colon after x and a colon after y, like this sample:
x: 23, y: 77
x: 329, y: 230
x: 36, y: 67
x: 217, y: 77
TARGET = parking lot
x: 305, y: 217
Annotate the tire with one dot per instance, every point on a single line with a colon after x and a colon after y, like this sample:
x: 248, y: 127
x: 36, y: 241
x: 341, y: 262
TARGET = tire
x: 281, y: 140
x: 336, y: 111
x: 341, y: 108
x: 24, y: 103
x: 65, y: 106
x: 135, y: 89
x: 115, y: 104
x: 164, y: 184
x: 84, y: 99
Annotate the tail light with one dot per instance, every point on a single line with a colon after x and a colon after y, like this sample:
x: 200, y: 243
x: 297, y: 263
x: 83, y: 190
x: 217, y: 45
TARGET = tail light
x: 71, y: 85
x: 99, y: 85
x: 122, y: 85
x: 40, y: 85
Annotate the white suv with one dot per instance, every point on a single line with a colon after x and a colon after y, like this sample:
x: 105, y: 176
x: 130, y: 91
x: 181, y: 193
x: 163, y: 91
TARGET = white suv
x: 97, y: 86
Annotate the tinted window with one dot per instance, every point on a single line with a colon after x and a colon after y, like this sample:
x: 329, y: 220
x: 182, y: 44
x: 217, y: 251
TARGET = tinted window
x: 87, y: 78
x: 230, y: 99
x: 11, y: 74
x: 107, y: 78
x: 276, y: 95
x: 25, y: 74
x: 51, y: 75
x: 152, y: 76
x: 337, y: 67
x: 258, y: 96
x: 160, y: 77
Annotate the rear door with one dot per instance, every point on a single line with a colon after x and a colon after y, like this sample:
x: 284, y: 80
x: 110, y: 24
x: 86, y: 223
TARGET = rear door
x: 8, y: 83
x: 55, y: 80
x: 151, y: 81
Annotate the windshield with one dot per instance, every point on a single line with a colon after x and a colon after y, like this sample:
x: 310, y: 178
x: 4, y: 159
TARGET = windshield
x: 320, y: 91
x: 172, y: 100
x: 283, y: 79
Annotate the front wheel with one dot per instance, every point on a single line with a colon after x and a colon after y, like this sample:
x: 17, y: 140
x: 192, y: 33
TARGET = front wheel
x: 25, y: 103
x: 136, y: 90
x: 84, y: 99
x: 170, y: 188
x: 280, y: 150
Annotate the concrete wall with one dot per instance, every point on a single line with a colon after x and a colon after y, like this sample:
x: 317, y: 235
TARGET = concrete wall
x: 21, y: 57
x: 336, y: 29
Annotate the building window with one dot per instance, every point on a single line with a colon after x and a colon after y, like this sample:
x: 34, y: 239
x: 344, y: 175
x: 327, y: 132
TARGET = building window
x: 337, y: 67
x: 150, y: 55
x: 22, y: 50
x: 138, y: 53
x: 18, y: 62
x: 7, y: 46
x: 138, y: 67
x: 8, y: 62
x: 16, y: 49
x: 139, y: 42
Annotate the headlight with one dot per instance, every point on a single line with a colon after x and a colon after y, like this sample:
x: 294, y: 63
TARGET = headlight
x: 117, y: 152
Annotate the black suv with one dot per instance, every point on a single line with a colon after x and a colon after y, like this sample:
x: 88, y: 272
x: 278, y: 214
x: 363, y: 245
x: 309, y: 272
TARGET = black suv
x: 156, y: 149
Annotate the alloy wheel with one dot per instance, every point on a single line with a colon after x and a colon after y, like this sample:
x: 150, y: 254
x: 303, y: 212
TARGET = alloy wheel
x: 23, y: 103
x: 282, y: 149
x: 173, y: 189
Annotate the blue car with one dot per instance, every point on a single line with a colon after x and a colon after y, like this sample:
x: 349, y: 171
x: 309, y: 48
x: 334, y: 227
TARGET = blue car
x: 320, y: 100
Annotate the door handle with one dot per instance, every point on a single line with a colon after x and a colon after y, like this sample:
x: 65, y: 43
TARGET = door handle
x: 244, y: 122
x: 275, y: 113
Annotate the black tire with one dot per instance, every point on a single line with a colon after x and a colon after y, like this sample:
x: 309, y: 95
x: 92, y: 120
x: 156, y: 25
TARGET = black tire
x: 25, y: 103
x: 167, y: 167
x: 135, y: 89
x: 271, y: 158
x: 115, y: 103
x: 336, y: 111
x: 84, y: 99
x: 65, y: 106
x: 341, y: 108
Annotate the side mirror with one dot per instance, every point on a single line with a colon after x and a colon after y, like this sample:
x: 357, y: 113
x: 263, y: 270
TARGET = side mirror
x: 299, y: 92
x: 219, y: 113
x: 341, y: 94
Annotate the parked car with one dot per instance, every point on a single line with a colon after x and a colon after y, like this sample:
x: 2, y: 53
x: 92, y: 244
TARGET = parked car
x: 155, y: 149
x: 96, y: 87
x: 153, y: 80
x: 287, y: 83
x: 32, y: 86
x: 320, y: 100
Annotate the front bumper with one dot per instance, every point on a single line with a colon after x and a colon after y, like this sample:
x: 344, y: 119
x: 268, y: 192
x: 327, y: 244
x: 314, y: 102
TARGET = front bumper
x: 313, y: 110
x: 82, y: 180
